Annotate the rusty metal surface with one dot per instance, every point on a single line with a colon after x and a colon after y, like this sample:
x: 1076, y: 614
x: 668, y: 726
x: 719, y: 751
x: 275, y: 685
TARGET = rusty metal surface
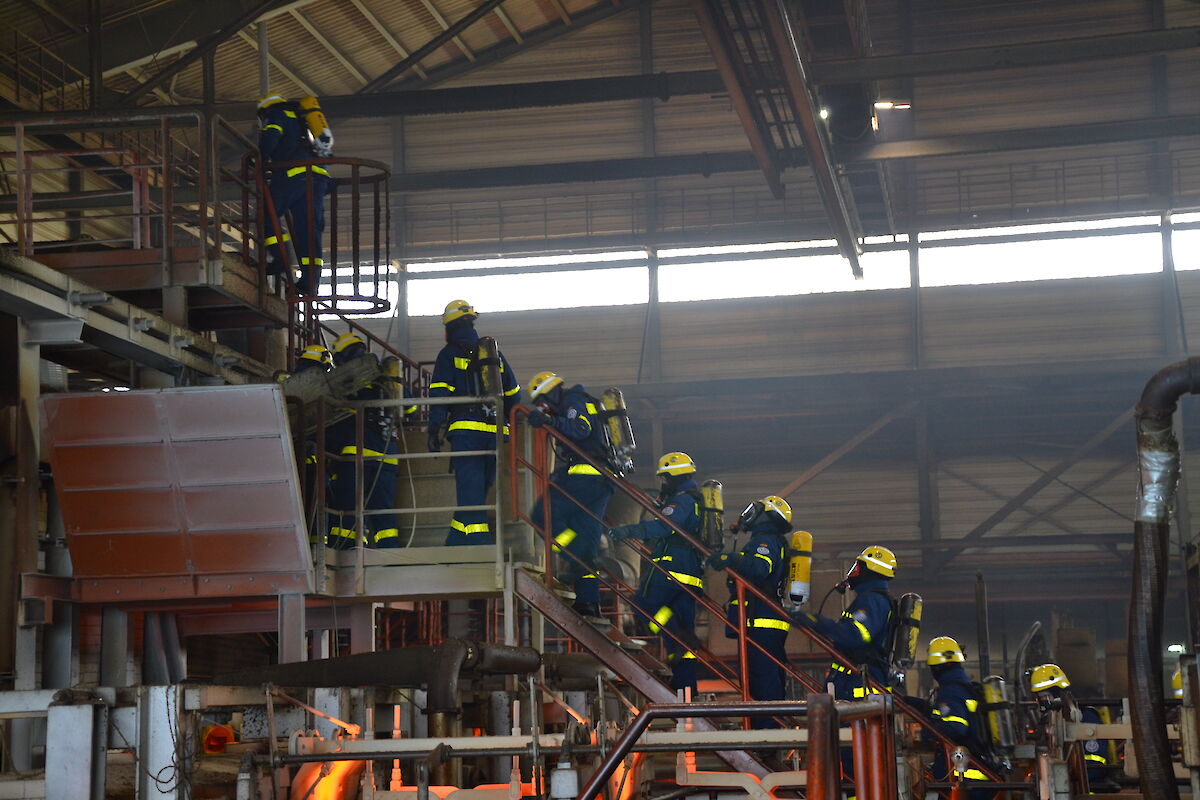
x: 178, y: 493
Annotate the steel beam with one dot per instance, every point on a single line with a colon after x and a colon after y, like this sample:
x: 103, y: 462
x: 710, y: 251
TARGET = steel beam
x: 329, y: 46
x: 445, y: 24
x: 1041, y: 482
x: 431, y: 46
x: 543, y: 35
x: 725, y: 52
x: 207, y: 45
x: 981, y: 59
x: 813, y: 133
x: 854, y: 441
x: 287, y: 71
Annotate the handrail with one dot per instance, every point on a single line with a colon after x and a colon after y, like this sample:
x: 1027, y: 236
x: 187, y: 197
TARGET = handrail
x: 639, y: 497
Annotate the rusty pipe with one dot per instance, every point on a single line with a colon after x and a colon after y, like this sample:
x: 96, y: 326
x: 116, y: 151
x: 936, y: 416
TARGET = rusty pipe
x: 853, y: 712
x: 823, y: 762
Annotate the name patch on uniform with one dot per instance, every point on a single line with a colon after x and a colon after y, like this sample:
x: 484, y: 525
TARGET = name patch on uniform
x: 762, y: 548
x: 945, y: 709
x: 668, y: 510
x: 860, y: 615
x: 572, y: 413
x: 1092, y: 746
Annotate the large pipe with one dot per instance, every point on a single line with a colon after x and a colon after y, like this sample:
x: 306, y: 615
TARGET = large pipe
x: 438, y: 668
x: 1158, y: 472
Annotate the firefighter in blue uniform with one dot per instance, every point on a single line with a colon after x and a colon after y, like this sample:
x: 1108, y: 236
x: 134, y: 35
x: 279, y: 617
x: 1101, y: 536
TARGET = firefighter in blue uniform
x: 862, y: 632
x: 763, y: 562
x: 380, y: 464
x: 1049, y: 683
x: 580, y: 493
x: 667, y: 600
x: 954, y: 710
x: 457, y: 373
x: 284, y: 137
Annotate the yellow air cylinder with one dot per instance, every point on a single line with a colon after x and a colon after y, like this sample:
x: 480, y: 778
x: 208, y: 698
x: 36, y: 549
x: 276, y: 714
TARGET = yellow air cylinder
x: 712, y: 515
x: 904, y: 648
x: 318, y: 126
x: 619, y: 432
x: 488, y: 356
x: 998, y: 711
x: 800, y: 568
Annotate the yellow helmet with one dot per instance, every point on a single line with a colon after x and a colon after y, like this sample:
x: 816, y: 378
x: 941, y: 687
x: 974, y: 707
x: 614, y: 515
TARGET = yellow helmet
x: 457, y: 309
x: 345, y: 340
x: 318, y: 353
x: 1177, y: 684
x: 777, y: 505
x: 1047, y: 676
x: 542, y: 383
x: 879, y: 559
x: 944, y: 650
x: 676, y: 464
x: 271, y: 99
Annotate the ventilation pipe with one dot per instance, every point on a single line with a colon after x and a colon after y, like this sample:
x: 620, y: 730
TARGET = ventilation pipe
x: 1158, y: 474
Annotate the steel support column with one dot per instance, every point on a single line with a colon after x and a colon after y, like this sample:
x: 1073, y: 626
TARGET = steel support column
x: 813, y: 132
x: 292, y: 629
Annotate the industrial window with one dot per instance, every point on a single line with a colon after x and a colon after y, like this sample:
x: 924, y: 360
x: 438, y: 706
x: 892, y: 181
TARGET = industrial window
x: 1044, y: 259
x: 771, y: 277
x: 528, y: 291
x: 1185, y: 241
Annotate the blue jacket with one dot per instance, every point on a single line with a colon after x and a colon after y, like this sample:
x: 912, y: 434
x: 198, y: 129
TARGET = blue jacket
x: 577, y: 416
x: 456, y: 373
x: 763, y: 562
x: 670, y: 549
x: 283, y: 135
x: 861, y: 634
x: 954, y: 709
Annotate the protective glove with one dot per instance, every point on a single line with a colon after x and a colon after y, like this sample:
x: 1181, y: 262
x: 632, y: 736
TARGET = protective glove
x: 622, y: 532
x: 538, y: 418
x: 719, y: 561
x: 433, y: 440
x: 804, y: 619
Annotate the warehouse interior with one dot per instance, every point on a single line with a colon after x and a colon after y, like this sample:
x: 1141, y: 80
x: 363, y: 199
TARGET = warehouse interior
x: 921, y: 268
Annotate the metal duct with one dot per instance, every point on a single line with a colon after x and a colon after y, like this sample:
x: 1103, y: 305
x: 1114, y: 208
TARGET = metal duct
x: 1158, y: 473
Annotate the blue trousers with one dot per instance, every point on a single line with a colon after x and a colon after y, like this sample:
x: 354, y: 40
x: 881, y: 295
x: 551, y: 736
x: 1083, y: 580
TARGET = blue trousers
x: 670, y: 607
x: 576, y: 533
x: 290, y: 195
x: 379, y: 491
x: 473, y: 479
x: 767, y: 679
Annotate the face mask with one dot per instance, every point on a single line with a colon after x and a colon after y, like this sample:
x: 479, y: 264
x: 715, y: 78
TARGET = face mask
x: 749, y: 515
x: 855, y: 571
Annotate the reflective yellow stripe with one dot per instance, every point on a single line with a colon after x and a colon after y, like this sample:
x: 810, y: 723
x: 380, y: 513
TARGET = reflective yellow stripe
x: 583, y: 469
x: 310, y: 460
x: 975, y: 775
x: 513, y: 391
x: 442, y: 385
x: 1094, y: 757
x: 836, y: 667
x: 270, y: 240
x: 661, y: 618
x: 664, y: 558
x: 777, y: 624
x: 273, y: 125
x: 462, y: 363
x: 386, y: 533
x: 591, y: 409
x: 479, y: 527
x: 410, y: 410
x: 291, y: 114
x: 305, y: 261
x: 471, y: 425
x: 345, y: 533
x: 690, y: 580
x: 369, y: 454
x: 956, y: 720
x: 294, y: 171
x: 972, y: 705
x: 861, y: 692
x: 866, y: 634
x: 689, y: 654
x: 565, y: 538
x: 770, y: 563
